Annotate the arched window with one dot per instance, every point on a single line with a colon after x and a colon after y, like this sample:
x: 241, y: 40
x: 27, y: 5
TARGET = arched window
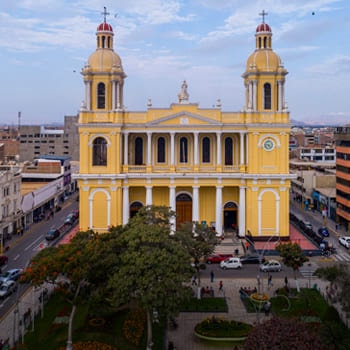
x: 161, y: 150
x: 101, y: 95
x: 138, y: 151
x: 267, y: 96
x: 228, y: 151
x: 183, y: 150
x: 206, y: 150
x: 99, y: 152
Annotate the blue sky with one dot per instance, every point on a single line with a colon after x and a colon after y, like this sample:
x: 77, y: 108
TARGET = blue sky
x: 45, y: 43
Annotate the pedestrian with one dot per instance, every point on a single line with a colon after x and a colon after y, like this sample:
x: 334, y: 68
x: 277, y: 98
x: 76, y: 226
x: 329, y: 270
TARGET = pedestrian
x: 221, y: 286
x: 212, y: 276
x: 269, y: 282
x: 286, y: 281
x: 194, y: 282
x: 267, y: 308
x: 247, y: 245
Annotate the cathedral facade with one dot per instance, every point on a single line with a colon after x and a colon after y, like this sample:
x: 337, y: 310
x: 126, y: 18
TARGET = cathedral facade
x: 225, y: 169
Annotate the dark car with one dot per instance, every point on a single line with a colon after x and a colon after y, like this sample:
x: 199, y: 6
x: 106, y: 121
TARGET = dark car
x: 252, y: 259
x: 323, y: 231
x: 70, y: 219
x: 3, y: 260
x: 52, y: 234
x: 217, y: 258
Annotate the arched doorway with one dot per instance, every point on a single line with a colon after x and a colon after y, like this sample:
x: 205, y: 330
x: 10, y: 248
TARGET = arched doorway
x: 134, y: 208
x: 230, y: 215
x: 183, y: 209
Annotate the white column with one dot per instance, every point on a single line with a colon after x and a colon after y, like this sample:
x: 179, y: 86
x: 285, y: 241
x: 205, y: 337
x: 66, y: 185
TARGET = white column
x: 218, y: 216
x: 172, y: 148
x: 118, y: 95
x: 172, y: 205
x: 195, y: 203
x: 254, y: 95
x: 241, y: 211
x: 241, y: 139
x: 126, y: 148
x: 196, y: 162
x: 113, y: 94
x: 125, y: 205
x: 88, y: 94
x: 250, y: 95
x: 218, y: 148
x: 148, y: 195
x: 149, y: 148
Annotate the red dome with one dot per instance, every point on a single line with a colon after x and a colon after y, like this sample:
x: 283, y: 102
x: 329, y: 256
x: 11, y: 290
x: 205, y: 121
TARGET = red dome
x: 263, y: 27
x: 105, y: 27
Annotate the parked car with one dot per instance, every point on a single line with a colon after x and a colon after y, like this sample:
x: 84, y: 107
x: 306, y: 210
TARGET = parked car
x: 270, y: 266
x: 231, y: 263
x: 3, y: 260
x: 323, y: 231
x: 217, y: 258
x: 308, y: 225
x: 345, y: 241
x: 52, y: 234
x: 12, y: 274
x: 7, y: 288
x: 252, y: 259
x: 70, y: 219
x: 76, y: 213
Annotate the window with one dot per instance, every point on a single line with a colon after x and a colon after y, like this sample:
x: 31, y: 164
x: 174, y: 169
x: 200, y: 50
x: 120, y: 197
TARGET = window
x: 161, y: 150
x: 99, y: 152
x: 228, y: 151
x: 267, y: 96
x: 138, y: 151
x: 206, y: 150
x: 101, y: 95
x: 183, y: 150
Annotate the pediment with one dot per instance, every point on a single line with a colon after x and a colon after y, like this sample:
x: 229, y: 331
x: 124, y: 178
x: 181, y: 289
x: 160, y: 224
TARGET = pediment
x: 183, y: 119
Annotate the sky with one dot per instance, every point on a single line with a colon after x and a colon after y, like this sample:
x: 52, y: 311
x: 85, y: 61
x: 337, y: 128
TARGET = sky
x: 44, y: 44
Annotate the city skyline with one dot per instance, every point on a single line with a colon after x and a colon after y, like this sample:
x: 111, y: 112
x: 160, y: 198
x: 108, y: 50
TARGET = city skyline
x: 44, y: 45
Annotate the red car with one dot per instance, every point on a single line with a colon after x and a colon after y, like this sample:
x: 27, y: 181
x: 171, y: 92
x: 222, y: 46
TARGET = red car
x: 217, y: 258
x: 3, y: 260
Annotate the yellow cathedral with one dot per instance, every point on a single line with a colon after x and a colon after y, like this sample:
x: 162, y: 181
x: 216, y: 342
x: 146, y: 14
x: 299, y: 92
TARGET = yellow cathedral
x: 225, y: 169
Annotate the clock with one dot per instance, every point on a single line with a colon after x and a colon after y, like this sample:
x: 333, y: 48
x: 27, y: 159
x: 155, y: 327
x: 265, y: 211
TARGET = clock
x: 268, y: 145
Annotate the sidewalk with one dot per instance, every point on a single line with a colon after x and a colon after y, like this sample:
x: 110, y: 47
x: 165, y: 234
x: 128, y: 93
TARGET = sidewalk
x: 183, y: 337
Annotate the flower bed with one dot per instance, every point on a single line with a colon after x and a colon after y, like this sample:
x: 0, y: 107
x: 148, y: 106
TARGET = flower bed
x: 219, y: 329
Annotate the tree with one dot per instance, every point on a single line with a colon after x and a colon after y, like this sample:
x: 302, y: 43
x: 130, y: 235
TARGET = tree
x: 70, y: 266
x: 154, y: 266
x: 292, y: 256
x: 199, y: 241
x: 284, y: 333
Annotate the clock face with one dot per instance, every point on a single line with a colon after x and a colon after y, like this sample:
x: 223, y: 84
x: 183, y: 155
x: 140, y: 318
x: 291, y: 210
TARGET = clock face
x: 269, y: 145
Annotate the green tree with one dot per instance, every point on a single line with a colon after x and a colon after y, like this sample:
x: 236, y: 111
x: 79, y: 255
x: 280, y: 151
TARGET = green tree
x: 199, y: 241
x: 70, y: 266
x: 292, y: 256
x: 154, y: 266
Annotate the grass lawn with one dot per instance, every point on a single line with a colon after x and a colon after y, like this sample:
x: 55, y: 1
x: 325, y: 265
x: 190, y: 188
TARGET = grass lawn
x: 105, y: 327
x: 205, y: 305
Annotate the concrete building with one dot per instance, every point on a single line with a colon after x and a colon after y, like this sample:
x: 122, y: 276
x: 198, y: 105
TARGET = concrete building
x: 10, y: 202
x: 342, y: 141
x: 225, y: 169
x: 36, y: 140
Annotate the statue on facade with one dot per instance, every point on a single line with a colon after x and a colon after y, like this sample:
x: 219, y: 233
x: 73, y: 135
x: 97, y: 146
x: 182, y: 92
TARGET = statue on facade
x: 183, y: 95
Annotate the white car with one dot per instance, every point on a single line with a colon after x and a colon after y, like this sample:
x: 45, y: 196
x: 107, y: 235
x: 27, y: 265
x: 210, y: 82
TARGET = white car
x: 345, y: 241
x: 270, y: 265
x: 7, y: 288
x: 231, y: 263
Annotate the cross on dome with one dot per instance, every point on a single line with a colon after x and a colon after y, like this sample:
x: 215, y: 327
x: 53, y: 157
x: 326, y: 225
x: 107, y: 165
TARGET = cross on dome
x: 105, y: 13
x: 263, y: 14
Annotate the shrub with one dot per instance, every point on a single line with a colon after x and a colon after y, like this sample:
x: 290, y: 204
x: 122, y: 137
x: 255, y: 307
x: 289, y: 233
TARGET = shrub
x: 215, y: 327
x: 134, y: 326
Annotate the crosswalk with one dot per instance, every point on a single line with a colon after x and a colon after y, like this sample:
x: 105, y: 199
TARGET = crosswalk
x: 343, y: 257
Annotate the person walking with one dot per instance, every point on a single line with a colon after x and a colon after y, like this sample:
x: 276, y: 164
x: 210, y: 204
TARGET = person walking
x: 269, y: 282
x: 212, y: 276
x: 221, y: 287
x: 193, y: 279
